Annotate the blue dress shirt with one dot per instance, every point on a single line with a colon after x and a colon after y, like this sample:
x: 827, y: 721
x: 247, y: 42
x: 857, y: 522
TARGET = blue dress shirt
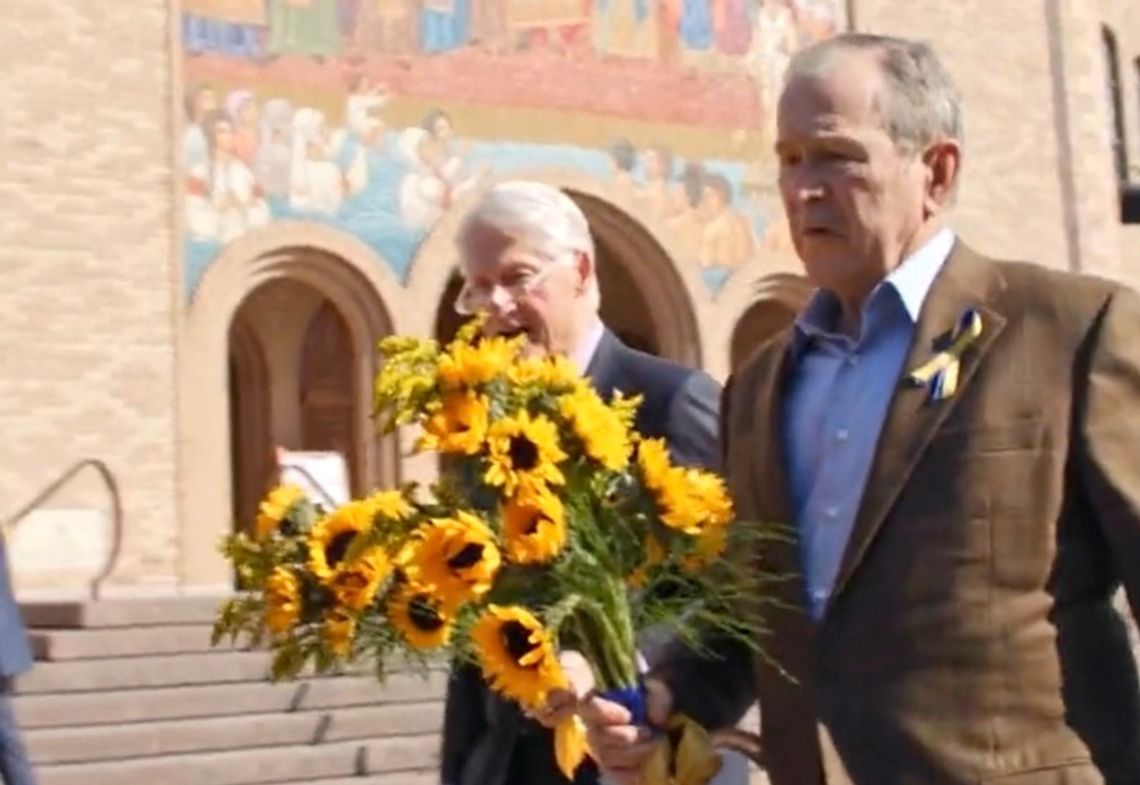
x: 835, y: 403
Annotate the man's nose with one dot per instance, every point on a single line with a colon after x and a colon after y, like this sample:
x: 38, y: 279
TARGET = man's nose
x: 805, y: 183
x: 500, y: 302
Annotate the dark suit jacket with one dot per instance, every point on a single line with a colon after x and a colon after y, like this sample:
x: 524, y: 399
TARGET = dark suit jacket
x: 487, y: 740
x: 970, y: 636
x: 15, y: 656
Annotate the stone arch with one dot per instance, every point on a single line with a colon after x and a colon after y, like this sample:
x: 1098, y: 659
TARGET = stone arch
x: 343, y: 270
x: 677, y: 298
x: 248, y: 392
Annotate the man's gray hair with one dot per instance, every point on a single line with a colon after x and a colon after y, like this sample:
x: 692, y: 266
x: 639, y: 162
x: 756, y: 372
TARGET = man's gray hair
x: 919, y: 103
x: 541, y: 217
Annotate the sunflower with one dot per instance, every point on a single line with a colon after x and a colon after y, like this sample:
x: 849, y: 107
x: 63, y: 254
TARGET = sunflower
x: 466, y: 364
x: 355, y: 583
x: 282, y: 601
x: 534, y: 528
x: 331, y: 537
x: 392, y: 505
x: 552, y: 372
x: 602, y: 431
x: 275, y: 508
x: 460, y: 426
x: 693, y: 501
x: 708, y: 547
x: 454, y: 558
x: 418, y: 616
x: 517, y: 655
x: 338, y: 632
x: 524, y: 452
x: 653, y: 459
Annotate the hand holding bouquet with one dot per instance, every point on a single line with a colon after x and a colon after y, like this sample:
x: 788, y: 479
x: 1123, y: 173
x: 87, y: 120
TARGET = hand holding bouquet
x: 555, y: 525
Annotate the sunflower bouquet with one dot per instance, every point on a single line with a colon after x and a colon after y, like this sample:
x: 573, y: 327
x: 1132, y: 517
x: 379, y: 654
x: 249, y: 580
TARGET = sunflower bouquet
x: 555, y: 526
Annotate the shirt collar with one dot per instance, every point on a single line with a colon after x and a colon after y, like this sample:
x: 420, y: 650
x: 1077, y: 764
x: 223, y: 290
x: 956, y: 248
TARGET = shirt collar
x: 911, y: 280
x: 585, y: 350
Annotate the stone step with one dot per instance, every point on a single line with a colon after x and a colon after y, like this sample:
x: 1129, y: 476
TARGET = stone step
x: 135, y: 672
x: 307, y: 763
x: 206, y: 734
x: 149, y: 611
x: 217, y: 700
x: 72, y: 644
x: 429, y: 777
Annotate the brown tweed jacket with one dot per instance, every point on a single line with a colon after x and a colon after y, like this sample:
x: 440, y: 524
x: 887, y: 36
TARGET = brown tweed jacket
x: 970, y: 637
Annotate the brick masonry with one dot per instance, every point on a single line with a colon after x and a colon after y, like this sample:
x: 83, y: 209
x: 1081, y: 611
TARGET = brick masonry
x: 91, y: 310
x: 87, y: 309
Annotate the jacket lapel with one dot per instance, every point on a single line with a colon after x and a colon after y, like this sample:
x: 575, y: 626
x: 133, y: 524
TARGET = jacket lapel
x: 762, y: 450
x: 966, y: 281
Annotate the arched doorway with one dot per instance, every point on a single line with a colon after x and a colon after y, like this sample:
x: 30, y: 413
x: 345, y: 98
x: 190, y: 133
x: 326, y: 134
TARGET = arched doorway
x: 295, y: 383
x: 272, y: 285
x: 633, y: 272
x: 251, y: 452
x: 328, y: 390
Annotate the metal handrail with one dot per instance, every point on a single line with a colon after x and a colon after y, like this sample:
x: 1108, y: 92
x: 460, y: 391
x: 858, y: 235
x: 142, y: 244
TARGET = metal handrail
x: 313, y: 481
x: 116, y: 512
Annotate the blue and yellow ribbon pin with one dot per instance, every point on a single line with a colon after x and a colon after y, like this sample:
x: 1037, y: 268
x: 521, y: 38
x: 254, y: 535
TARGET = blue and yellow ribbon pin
x: 940, y: 373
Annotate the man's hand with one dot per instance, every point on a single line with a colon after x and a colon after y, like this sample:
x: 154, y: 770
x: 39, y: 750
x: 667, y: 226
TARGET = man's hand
x: 562, y: 704
x: 619, y: 747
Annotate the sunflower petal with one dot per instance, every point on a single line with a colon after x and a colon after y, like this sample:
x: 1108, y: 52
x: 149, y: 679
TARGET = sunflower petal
x: 570, y: 745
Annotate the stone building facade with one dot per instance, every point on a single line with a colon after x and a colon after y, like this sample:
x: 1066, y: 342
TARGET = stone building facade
x: 213, y: 209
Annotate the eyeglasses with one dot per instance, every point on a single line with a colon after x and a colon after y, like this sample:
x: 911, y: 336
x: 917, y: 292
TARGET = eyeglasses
x: 475, y: 298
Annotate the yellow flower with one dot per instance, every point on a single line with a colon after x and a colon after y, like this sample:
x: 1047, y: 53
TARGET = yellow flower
x: 456, y: 559
x: 282, y: 601
x: 392, y: 505
x: 338, y: 632
x: 693, y: 501
x: 460, y: 425
x: 708, y: 547
x: 331, y: 537
x: 418, y: 617
x: 534, y: 528
x: 685, y: 754
x: 570, y: 747
x: 524, y: 452
x: 602, y: 431
x: 551, y: 371
x: 517, y: 655
x: 356, y: 583
x: 653, y: 459
x: 466, y: 365
x: 275, y: 508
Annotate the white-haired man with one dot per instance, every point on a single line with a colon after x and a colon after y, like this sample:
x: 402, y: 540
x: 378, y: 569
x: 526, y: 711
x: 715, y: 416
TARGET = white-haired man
x: 528, y: 263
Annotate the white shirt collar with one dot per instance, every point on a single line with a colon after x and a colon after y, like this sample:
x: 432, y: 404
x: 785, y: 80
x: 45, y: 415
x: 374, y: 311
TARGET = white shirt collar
x: 585, y: 350
x: 913, y: 278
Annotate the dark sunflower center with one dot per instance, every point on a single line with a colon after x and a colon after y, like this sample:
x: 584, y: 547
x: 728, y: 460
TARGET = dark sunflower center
x: 469, y: 556
x: 337, y: 547
x: 423, y: 615
x: 524, y: 453
x: 532, y: 522
x: 516, y: 639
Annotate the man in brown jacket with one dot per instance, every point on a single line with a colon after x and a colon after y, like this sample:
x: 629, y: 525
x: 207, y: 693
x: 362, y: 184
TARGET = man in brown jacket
x: 955, y: 442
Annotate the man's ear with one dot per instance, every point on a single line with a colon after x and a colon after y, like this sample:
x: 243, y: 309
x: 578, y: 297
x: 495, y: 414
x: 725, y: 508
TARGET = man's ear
x: 942, y: 162
x: 584, y: 266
